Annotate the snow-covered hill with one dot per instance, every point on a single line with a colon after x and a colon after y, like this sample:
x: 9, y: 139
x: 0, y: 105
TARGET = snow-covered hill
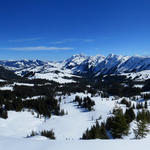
x: 80, y: 65
x: 68, y: 128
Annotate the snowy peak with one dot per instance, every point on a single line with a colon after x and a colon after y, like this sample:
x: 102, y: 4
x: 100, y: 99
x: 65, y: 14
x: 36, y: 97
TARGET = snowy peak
x: 89, y: 65
x: 74, y: 61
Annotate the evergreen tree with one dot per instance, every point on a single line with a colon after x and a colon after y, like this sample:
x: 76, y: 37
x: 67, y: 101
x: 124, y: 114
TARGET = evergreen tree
x: 3, y: 114
x: 120, y: 126
x: 130, y: 115
x: 117, y: 125
x: 96, y: 132
x: 141, y: 130
x: 139, y: 106
x: 49, y: 134
x: 145, y: 105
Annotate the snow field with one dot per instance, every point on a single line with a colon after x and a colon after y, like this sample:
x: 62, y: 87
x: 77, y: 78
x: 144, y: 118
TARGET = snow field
x: 68, y: 128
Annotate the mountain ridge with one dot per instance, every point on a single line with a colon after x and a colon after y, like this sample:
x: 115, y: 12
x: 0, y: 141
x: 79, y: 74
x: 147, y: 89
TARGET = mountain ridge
x: 81, y: 65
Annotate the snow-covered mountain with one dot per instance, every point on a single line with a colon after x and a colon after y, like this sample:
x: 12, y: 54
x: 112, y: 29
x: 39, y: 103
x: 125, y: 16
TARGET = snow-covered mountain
x: 112, y: 64
x: 21, y: 64
x: 39, y: 69
x: 80, y: 65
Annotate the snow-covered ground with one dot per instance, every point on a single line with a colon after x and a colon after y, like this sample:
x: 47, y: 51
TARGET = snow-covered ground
x: 138, y: 76
x: 50, y: 71
x: 4, y: 88
x: 34, y: 97
x: 10, y: 86
x: 9, y: 143
x: 23, y: 84
x: 54, y: 77
x: 1, y: 80
x: 138, y: 85
x: 68, y: 129
x: 70, y: 126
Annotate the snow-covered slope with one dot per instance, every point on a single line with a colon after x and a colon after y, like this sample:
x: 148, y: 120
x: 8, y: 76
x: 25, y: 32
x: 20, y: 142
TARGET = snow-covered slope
x: 138, y: 76
x: 68, y: 128
x: 45, y: 144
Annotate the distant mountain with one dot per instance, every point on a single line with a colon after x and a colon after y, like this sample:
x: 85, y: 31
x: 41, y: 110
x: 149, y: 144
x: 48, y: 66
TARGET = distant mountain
x: 81, y: 65
x: 112, y: 64
x: 34, y: 69
x: 21, y: 64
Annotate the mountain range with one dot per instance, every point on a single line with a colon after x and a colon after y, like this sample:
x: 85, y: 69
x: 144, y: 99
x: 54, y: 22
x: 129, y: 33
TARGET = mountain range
x: 81, y: 65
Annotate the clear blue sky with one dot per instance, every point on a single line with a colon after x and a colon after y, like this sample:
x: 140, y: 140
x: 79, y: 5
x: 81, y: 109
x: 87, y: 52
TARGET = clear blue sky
x: 57, y: 29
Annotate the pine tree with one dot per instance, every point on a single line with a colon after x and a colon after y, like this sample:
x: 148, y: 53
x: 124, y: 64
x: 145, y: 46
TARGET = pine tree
x: 118, y: 124
x: 49, y: 134
x: 96, y: 132
x: 145, y: 105
x: 141, y: 130
x: 130, y: 115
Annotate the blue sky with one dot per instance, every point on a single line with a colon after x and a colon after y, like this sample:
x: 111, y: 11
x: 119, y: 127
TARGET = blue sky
x: 57, y: 29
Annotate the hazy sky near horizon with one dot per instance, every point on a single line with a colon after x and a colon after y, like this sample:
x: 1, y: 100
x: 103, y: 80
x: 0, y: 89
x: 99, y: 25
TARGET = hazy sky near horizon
x: 57, y: 29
